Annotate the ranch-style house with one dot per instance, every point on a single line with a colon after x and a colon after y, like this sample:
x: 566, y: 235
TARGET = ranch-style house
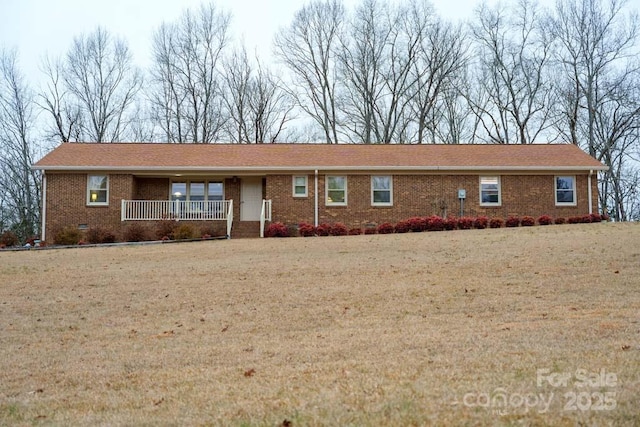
x: 236, y: 189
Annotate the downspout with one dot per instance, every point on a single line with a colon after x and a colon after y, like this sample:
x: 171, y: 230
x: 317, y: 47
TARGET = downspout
x: 44, y: 207
x: 315, y: 193
x: 590, y: 192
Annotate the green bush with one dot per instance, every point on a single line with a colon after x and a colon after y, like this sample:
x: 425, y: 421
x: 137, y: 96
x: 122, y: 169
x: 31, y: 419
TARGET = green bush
x: 184, y: 232
x: 68, y: 236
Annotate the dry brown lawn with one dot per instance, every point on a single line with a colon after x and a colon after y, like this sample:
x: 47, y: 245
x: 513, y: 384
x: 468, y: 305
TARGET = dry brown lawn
x: 529, y: 326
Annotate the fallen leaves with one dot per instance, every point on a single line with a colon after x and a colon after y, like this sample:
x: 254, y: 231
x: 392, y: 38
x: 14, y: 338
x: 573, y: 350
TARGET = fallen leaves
x: 250, y: 372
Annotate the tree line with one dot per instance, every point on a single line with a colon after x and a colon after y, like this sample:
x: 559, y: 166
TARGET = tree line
x: 379, y: 73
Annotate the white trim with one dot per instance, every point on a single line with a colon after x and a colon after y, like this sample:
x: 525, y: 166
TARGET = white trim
x: 490, y: 204
x: 44, y: 208
x: 555, y: 190
x: 188, y: 182
x: 88, y: 191
x: 590, y: 193
x: 326, y: 191
x: 315, y: 202
x: 232, y: 169
x: 390, y: 202
x: 306, y: 186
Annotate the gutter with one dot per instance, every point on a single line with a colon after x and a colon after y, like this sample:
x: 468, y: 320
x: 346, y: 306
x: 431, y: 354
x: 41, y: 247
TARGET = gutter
x: 590, y: 192
x: 315, y: 202
x: 44, y: 208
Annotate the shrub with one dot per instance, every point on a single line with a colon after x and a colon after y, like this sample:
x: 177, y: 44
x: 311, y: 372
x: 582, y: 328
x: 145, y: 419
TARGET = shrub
x: 450, y: 223
x: 184, y: 232
x: 545, y: 220
x: 306, y: 230
x: 355, y: 231
x: 481, y: 222
x: 370, y: 230
x: 165, y: 228
x: 98, y: 235
x: 574, y: 220
x: 418, y: 224
x: 604, y: 217
x: 9, y: 238
x: 339, y: 229
x: 276, y: 229
x: 68, y: 236
x: 496, y: 223
x: 585, y: 219
x: 596, y: 217
x: 512, y: 221
x: 528, y: 221
x: 560, y: 220
x: 435, y: 223
x: 402, y: 226
x: 386, y: 228
x: 323, y: 229
x: 136, y: 233
x: 465, y: 223
x: 208, y: 231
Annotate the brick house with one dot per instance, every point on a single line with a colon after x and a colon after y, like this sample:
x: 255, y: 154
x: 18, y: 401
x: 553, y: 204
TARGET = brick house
x: 234, y: 189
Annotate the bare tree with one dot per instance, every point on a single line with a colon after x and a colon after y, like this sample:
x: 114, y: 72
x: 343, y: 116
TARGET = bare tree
x: 91, y: 91
x: 259, y: 107
x: 19, y: 184
x: 187, y: 96
x: 513, y: 55
x: 307, y: 49
x: 597, y: 57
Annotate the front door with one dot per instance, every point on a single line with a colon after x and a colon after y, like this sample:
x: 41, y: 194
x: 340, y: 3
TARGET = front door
x: 251, y: 199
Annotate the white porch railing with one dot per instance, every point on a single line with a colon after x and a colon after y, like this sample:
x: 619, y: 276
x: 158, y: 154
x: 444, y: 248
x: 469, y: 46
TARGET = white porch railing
x: 265, y: 215
x: 156, y: 210
x: 229, y: 218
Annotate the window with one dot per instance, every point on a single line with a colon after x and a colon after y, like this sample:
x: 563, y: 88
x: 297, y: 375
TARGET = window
x: 97, y: 190
x: 336, y: 190
x: 381, y: 191
x: 196, y: 191
x: 300, y: 186
x: 490, y: 191
x: 566, y: 190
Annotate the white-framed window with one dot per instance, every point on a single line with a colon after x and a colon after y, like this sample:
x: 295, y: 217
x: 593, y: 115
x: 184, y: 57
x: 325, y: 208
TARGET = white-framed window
x: 300, y: 186
x: 336, y: 194
x: 97, y: 190
x: 197, y: 191
x: 490, y: 191
x: 565, y: 190
x: 381, y: 191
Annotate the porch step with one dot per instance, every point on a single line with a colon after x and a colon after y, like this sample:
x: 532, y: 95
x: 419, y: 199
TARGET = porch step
x: 245, y: 229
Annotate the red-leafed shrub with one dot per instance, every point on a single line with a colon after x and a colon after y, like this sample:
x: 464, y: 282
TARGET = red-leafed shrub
x: 339, y: 229
x: 465, y: 223
x: 560, y: 220
x: 276, y: 229
x: 604, y: 217
x: 528, y: 221
x: 481, y: 222
x: 9, y: 238
x: 385, y: 228
x: 355, y: 231
x: 435, y: 223
x: 370, y: 230
x: 596, y: 217
x: 545, y: 220
x: 323, y: 229
x: 512, y: 221
x: 136, y: 232
x: 403, y: 226
x: 306, y: 230
x: 574, y: 220
x: 450, y: 223
x: 585, y: 219
x: 496, y: 223
x: 165, y: 228
x: 418, y: 224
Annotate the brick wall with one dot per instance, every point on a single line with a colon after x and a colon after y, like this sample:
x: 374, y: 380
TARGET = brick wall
x: 423, y: 195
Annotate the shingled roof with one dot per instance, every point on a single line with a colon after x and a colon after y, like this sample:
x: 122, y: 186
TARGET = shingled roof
x: 273, y: 157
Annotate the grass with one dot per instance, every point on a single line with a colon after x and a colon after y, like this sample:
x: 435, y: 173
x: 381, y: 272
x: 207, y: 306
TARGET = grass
x: 410, y: 329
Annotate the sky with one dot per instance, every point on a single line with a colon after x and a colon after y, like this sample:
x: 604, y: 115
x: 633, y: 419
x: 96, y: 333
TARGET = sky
x: 47, y: 27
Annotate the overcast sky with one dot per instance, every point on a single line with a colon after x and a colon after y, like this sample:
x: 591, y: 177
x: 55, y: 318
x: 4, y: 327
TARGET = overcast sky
x: 39, y: 27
